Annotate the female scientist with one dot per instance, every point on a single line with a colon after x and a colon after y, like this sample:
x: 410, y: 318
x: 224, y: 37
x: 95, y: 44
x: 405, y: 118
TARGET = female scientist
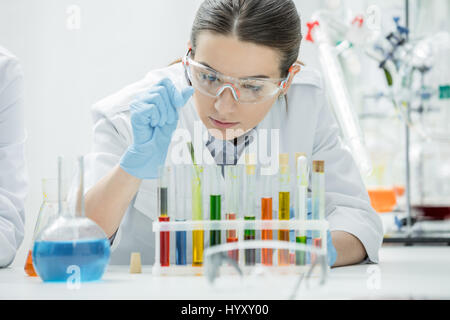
x: 240, y: 75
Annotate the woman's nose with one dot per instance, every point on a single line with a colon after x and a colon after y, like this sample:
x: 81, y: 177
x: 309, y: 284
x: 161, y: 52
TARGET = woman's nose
x: 226, y: 100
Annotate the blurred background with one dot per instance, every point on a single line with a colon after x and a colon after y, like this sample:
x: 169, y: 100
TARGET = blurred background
x: 76, y: 52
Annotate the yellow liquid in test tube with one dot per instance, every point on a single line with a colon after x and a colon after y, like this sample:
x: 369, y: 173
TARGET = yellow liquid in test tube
x: 283, y: 214
x: 283, y: 206
x: 197, y: 214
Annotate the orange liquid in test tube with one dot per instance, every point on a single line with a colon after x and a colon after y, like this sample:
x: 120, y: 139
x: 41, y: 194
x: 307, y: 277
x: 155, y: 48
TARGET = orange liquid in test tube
x: 266, y: 214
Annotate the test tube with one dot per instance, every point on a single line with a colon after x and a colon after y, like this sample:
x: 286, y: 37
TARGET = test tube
x: 266, y: 214
x: 231, y: 203
x: 182, y: 189
x: 250, y: 204
x: 318, y: 194
x: 215, y: 201
x: 163, y: 193
x: 197, y: 214
x: 302, y: 195
x: 283, y: 205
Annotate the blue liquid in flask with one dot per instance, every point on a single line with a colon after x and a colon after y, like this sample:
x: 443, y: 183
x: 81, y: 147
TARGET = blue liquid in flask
x: 58, y: 260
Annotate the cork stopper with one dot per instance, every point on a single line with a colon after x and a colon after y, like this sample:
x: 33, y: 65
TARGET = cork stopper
x: 318, y: 166
x: 250, y: 158
x: 135, y: 263
x: 298, y: 155
x: 250, y: 161
x: 284, y: 159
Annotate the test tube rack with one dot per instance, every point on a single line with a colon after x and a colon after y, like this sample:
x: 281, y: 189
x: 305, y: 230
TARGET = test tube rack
x: 240, y: 226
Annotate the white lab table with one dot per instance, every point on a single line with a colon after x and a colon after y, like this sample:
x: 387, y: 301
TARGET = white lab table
x: 403, y: 273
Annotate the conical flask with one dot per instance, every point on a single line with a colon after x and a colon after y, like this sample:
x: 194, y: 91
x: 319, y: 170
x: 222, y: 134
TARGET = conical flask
x: 72, y: 247
x: 48, y: 212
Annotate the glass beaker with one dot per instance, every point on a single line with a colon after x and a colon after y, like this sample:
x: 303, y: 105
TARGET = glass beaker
x: 383, y: 148
x: 72, y: 245
x: 430, y: 198
x: 47, y: 213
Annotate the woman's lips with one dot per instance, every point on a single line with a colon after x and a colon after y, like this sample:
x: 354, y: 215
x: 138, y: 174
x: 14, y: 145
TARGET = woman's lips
x: 221, y: 124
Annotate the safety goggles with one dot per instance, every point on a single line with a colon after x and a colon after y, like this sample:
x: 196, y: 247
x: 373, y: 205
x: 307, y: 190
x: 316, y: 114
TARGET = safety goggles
x: 244, y: 90
x: 224, y: 273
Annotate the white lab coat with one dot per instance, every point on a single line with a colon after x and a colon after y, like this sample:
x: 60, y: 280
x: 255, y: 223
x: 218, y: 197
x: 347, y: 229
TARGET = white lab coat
x: 13, y: 178
x: 307, y: 125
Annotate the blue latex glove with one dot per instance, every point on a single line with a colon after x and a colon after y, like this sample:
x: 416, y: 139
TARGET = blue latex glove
x: 154, y: 117
x: 331, y: 250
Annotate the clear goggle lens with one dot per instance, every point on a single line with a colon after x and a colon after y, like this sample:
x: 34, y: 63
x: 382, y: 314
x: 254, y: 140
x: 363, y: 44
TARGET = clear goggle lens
x: 248, y: 90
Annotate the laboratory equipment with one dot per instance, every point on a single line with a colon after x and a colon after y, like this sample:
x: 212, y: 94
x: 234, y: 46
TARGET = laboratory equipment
x: 164, y: 185
x: 244, y: 190
x: 284, y: 204
x: 318, y: 194
x: 250, y: 192
x: 197, y: 213
x: 250, y: 234
x: 241, y: 226
x: 72, y: 245
x: 416, y: 69
x: 214, y: 177
x: 182, y: 191
x: 302, y: 196
x: 232, y: 189
x: 312, y: 276
x: 48, y: 212
x: 266, y: 214
x: 319, y: 33
x: 430, y: 200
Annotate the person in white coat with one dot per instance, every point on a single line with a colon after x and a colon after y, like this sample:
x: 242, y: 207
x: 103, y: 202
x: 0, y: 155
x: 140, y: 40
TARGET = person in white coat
x: 240, y: 77
x: 13, y: 177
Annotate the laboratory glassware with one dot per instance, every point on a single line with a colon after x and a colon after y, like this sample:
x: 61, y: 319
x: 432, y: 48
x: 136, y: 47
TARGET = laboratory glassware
x: 73, y: 247
x: 214, y: 189
x: 318, y: 193
x: 255, y: 279
x: 266, y: 214
x: 48, y: 211
x: 232, y: 190
x: 250, y: 204
x: 182, y: 187
x: 283, y: 204
x: 197, y: 213
x: 301, y: 201
x: 164, y: 187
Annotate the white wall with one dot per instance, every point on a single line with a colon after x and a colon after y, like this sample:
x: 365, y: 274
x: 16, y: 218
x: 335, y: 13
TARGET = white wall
x: 67, y: 70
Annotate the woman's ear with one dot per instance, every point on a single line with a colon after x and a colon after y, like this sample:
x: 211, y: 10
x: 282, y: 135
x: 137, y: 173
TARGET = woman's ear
x: 296, y: 67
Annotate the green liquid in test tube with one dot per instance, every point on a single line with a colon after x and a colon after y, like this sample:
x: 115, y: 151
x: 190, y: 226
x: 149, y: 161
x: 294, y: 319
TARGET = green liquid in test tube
x: 302, y: 195
x: 215, y: 201
x: 250, y: 204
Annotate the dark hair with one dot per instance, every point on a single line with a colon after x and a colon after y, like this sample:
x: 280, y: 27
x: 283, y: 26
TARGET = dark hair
x: 271, y: 23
